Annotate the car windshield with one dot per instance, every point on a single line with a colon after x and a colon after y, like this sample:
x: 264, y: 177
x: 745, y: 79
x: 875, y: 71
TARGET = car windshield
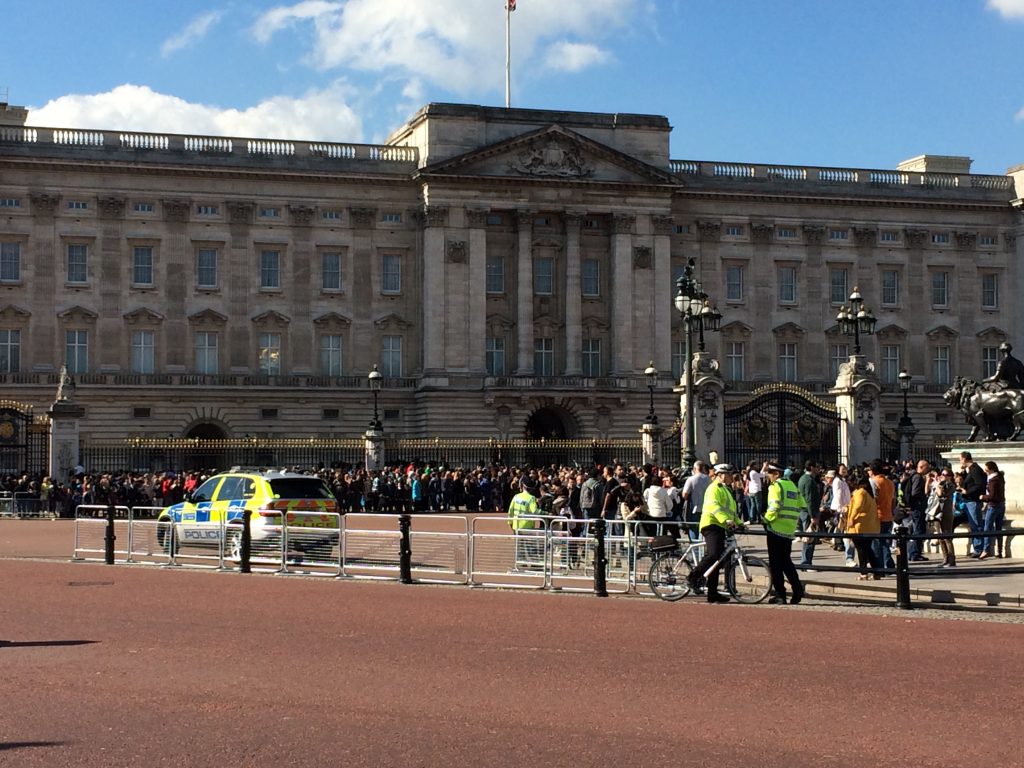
x: 299, y: 488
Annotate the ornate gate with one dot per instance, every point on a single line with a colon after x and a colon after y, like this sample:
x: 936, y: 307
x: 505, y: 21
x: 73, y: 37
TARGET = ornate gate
x: 24, y: 445
x: 783, y: 423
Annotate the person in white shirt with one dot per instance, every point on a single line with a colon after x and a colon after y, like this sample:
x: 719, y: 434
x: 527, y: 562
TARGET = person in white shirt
x: 693, y: 495
x: 840, y: 503
x: 755, y: 495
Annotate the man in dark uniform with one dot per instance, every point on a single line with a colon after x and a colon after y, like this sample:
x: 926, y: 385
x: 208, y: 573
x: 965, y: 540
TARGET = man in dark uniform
x: 1010, y: 373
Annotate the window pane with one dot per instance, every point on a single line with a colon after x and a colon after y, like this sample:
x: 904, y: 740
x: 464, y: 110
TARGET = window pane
x: 787, y: 285
x: 544, y: 276
x: 142, y: 265
x: 678, y: 359
x: 990, y: 291
x: 76, y: 351
x: 734, y: 362
x: 330, y: 272
x: 495, y: 274
x: 839, y: 354
x: 590, y: 277
x: 206, y: 268
x: 10, y: 261
x: 10, y: 351
x: 940, y: 365
x: 77, y: 266
x: 270, y: 269
x: 330, y: 355
x: 837, y: 286
x: 787, y: 362
x: 270, y: 353
x: 592, y: 358
x: 890, y: 287
x: 989, y: 361
x: 142, y: 352
x: 495, y: 356
x: 891, y: 367
x: 544, y: 357
x: 940, y: 289
x: 391, y: 356
x: 734, y: 283
x: 391, y: 273
x: 206, y: 353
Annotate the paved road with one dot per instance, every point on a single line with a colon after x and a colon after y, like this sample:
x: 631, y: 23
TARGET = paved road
x: 132, y: 666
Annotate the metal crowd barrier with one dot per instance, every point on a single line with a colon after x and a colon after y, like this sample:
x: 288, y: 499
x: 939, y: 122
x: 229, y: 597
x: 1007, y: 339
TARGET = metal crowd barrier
x: 91, y: 530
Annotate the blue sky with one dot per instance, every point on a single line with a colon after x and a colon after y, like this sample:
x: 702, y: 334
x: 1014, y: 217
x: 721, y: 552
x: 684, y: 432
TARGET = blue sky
x: 851, y: 83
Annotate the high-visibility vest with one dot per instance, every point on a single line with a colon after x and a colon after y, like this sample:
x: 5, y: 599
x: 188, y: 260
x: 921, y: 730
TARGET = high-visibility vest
x: 719, y: 507
x: 785, y: 503
x: 522, y: 504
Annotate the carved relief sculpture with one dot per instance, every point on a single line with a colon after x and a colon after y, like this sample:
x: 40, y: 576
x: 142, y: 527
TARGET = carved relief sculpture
x: 554, y: 158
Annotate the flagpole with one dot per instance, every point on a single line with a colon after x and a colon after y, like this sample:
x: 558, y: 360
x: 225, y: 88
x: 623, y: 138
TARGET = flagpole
x: 508, y: 54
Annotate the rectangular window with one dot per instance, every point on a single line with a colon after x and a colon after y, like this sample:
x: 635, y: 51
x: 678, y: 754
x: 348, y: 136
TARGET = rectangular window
x: 330, y: 354
x: 270, y: 353
x: 78, y: 256
x: 785, y: 233
x: 838, y: 354
x: 495, y: 356
x: 142, y: 265
x: 940, y: 365
x: 141, y: 207
x: 392, y: 218
x: 787, y: 285
x: 207, y: 210
x: 890, y: 288
x: 591, y: 223
x: 206, y: 268
x: 143, y: 352
x: 10, y: 262
x: 734, y: 230
x: 678, y: 359
x: 987, y: 240
x: 940, y: 289
x: 839, y: 235
x: 734, y: 283
x: 495, y: 273
x: 889, y: 236
x: 892, y: 363
x: 330, y: 271
x: 206, y: 353
x: 391, y: 273
x: 270, y: 213
x: 838, y: 287
x: 787, y: 362
x: 590, y: 278
x: 391, y: 356
x: 541, y: 221
x: 10, y: 351
x: 592, y: 358
x: 270, y: 269
x: 990, y: 291
x: 940, y: 238
x: 330, y: 215
x: 76, y: 351
x: 734, y: 361
x: 544, y: 357
x: 989, y: 361
x: 10, y: 202
x: 77, y: 205
x: 494, y: 220
x: 544, y: 276
x: 680, y: 229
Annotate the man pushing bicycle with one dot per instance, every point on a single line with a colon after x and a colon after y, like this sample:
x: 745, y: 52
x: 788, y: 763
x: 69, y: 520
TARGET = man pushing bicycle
x: 718, y: 516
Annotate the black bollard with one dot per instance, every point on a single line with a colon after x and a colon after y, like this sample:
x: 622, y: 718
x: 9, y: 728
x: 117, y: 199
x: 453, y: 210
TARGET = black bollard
x: 108, y: 537
x: 902, y: 569
x: 405, y: 549
x: 600, y: 560
x: 246, y: 564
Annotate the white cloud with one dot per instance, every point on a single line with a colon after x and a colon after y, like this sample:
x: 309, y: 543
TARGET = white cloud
x: 195, y: 30
x: 318, y: 115
x: 573, y: 57
x: 453, y: 44
x: 1019, y: 116
x: 1008, y: 9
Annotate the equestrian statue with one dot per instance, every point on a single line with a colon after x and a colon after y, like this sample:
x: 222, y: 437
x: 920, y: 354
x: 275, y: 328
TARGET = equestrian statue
x: 994, y: 405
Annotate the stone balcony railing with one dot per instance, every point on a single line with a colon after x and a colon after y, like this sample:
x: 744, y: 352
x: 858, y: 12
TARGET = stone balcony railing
x: 198, y: 380
x: 201, y: 149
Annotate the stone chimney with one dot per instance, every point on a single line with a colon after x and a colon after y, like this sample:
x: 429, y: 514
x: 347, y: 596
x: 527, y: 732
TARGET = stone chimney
x: 936, y: 164
x: 11, y: 115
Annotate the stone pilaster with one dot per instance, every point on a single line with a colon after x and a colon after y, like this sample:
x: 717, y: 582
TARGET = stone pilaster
x: 662, y: 309
x: 573, y: 297
x: 434, y: 297
x: 524, y: 294
x: 477, y: 288
x: 622, y: 294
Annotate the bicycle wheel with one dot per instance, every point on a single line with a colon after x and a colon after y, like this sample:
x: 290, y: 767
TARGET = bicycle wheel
x: 668, y: 576
x: 748, y: 580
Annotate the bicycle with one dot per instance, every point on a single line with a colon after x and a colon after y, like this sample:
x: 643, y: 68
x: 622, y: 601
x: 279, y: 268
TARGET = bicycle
x: 747, y: 577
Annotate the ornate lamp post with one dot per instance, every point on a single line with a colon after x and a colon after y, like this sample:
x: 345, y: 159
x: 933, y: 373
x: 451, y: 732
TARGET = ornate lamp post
x: 651, y: 374
x: 905, y: 428
x: 376, y: 380
x: 697, y: 314
x: 374, y: 437
x: 855, y: 320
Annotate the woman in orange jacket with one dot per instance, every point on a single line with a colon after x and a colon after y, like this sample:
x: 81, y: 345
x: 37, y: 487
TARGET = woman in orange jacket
x: 862, y: 517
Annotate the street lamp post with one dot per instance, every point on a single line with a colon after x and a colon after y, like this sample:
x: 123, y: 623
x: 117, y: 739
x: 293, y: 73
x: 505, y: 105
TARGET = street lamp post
x: 376, y: 380
x: 698, y: 315
x: 651, y: 373
x: 905, y: 429
x: 855, y: 320
x: 374, y: 437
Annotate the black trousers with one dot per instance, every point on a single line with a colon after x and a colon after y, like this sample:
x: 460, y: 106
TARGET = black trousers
x: 780, y: 563
x: 714, y: 546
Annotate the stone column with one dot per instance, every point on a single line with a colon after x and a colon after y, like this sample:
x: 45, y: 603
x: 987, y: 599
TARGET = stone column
x: 178, y: 258
x: 524, y: 295
x: 622, y: 294
x: 303, y: 351
x: 64, y: 436
x: 650, y: 442
x: 44, y: 343
x: 110, y: 276
x: 662, y: 308
x: 434, y: 299
x: 374, y: 456
x: 477, y: 290
x: 857, y: 393
x: 573, y: 297
x: 365, y: 289
x: 708, y: 406
x: 236, y: 280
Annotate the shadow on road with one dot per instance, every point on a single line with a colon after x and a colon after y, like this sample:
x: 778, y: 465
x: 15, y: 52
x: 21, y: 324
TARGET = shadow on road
x: 43, y: 643
x: 6, y: 745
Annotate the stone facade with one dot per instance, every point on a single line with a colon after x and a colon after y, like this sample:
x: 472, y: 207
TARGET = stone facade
x: 515, y: 267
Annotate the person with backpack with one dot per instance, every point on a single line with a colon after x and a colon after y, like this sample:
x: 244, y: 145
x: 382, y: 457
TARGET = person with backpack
x: 592, y: 495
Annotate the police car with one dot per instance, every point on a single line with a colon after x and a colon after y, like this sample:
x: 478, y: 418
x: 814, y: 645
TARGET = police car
x: 216, y: 509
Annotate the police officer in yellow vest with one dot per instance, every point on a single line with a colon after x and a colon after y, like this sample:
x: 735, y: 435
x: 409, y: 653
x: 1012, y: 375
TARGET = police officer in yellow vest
x: 523, y: 503
x: 529, y: 542
x: 785, y: 503
x: 718, y: 515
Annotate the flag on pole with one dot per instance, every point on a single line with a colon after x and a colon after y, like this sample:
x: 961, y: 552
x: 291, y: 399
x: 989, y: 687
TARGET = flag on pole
x: 511, y: 5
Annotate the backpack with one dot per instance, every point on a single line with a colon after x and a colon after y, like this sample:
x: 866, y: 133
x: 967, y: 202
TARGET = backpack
x: 587, y: 499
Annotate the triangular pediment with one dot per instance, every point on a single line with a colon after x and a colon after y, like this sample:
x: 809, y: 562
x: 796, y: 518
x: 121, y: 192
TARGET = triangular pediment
x: 552, y: 154
x: 392, y: 320
x: 788, y: 329
x: 79, y: 314
x: 992, y: 334
x: 271, y: 317
x: 142, y: 316
x: 13, y: 312
x: 941, y: 332
x: 736, y: 328
x: 207, y: 316
x: 892, y: 331
x: 332, y: 320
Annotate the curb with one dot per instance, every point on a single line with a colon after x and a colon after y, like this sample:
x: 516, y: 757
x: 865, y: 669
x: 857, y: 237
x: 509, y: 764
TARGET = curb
x: 918, y: 595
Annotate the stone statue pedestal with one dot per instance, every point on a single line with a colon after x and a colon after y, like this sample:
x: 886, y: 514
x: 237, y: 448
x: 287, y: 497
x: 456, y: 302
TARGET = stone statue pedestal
x: 64, y: 438
x: 857, y: 393
x: 1010, y: 459
x: 374, y: 439
x: 650, y: 441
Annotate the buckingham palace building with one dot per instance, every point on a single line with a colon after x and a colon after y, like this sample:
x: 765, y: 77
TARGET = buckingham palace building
x: 510, y: 272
